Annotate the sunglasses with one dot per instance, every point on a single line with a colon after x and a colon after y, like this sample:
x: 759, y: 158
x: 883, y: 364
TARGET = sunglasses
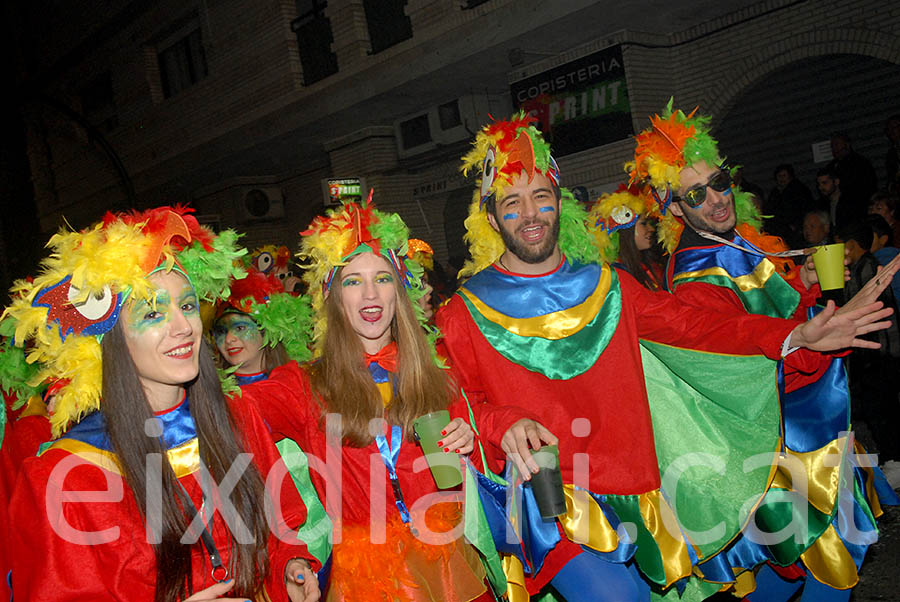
x: 695, y: 195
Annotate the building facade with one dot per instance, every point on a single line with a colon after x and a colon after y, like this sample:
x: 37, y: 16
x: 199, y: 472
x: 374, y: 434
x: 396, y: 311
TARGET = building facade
x: 245, y: 109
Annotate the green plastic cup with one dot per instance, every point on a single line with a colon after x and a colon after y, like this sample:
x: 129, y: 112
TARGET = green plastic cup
x: 444, y: 466
x: 829, y: 261
x: 547, y: 484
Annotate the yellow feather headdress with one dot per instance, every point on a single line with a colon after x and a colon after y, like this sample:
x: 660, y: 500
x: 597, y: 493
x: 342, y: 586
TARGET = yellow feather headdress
x: 615, y: 211
x: 81, y: 287
x: 335, y: 238
x: 502, y: 151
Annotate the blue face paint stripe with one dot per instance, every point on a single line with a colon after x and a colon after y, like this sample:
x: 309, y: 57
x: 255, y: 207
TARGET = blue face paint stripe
x: 511, y: 216
x: 547, y: 209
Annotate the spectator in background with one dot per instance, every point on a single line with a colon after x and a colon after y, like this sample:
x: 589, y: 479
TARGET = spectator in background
x: 857, y: 175
x: 786, y: 204
x: 816, y: 228
x: 885, y: 204
x: 874, y: 378
x: 891, y: 159
x: 883, y: 247
x: 841, y: 209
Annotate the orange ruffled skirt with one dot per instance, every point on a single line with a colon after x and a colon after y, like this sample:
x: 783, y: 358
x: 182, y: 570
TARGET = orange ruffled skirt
x: 406, y: 568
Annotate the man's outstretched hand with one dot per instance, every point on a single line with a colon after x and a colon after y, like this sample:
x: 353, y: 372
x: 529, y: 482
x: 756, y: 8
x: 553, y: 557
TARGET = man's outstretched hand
x: 872, y: 289
x: 830, y: 330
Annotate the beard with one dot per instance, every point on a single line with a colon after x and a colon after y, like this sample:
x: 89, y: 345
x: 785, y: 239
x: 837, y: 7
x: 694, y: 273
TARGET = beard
x: 699, y: 223
x: 532, y: 253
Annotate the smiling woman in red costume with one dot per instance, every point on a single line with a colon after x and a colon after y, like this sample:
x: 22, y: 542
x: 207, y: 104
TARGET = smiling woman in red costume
x: 397, y: 537
x: 121, y: 505
x: 255, y: 327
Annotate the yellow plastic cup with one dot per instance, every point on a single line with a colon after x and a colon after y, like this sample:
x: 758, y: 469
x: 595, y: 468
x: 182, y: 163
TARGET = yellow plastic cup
x: 829, y: 261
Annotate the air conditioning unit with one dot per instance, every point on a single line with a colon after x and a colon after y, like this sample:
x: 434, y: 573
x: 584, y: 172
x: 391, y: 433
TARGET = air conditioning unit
x: 259, y: 203
x: 447, y: 122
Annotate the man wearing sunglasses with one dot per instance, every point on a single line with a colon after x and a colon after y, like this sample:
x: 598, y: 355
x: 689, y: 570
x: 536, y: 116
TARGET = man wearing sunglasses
x: 705, y: 200
x: 720, y: 262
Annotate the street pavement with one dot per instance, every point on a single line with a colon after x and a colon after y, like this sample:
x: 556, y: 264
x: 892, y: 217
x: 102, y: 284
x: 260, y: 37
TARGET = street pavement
x: 878, y: 578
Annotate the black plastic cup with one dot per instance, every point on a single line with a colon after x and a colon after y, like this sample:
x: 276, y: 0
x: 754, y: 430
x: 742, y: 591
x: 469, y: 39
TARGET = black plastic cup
x: 547, y: 484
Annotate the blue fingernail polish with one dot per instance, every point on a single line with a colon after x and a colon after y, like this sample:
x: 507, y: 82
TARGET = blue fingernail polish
x: 300, y: 578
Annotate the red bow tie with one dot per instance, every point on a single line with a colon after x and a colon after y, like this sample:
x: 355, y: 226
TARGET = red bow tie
x: 386, y: 357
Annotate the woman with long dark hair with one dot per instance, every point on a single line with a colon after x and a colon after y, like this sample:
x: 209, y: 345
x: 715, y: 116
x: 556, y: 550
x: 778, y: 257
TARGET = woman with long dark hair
x: 354, y: 409
x: 155, y: 487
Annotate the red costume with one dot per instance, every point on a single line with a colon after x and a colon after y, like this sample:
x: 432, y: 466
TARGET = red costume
x: 51, y: 564
x: 367, y: 501
x: 618, y: 438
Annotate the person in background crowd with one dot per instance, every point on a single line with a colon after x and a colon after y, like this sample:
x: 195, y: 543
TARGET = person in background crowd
x: 857, y: 176
x: 142, y: 411
x: 816, y: 228
x: 874, y: 374
x: 787, y: 202
x: 883, y: 248
x: 891, y: 158
x: 885, y: 204
x: 626, y: 234
x: 708, y: 225
x: 841, y: 207
x: 255, y: 328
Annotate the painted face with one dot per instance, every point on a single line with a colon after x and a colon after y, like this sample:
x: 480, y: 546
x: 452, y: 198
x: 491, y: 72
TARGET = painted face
x: 240, y: 341
x: 527, y: 218
x: 164, y: 337
x: 716, y: 214
x: 368, y: 298
x: 643, y: 233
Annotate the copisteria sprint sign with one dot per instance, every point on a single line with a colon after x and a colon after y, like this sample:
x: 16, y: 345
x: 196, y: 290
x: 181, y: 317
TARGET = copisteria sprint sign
x: 581, y: 104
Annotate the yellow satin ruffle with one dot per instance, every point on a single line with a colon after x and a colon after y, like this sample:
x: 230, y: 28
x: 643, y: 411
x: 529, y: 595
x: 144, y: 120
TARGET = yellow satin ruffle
x: 554, y: 326
x: 515, y: 580
x: 829, y: 562
x: 185, y: 459
x: 674, y: 554
x: 828, y: 559
x: 871, y: 496
x: 585, y: 524
x: 822, y: 468
x: 755, y: 279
